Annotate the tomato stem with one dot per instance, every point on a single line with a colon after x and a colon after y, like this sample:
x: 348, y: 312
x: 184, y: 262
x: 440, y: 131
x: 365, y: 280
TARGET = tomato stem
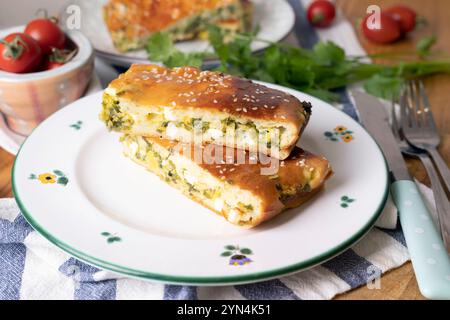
x: 421, y: 21
x: 318, y: 17
x: 15, y: 48
x: 62, y: 56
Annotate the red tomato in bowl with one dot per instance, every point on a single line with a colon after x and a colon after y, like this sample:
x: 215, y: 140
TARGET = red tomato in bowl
x: 406, y: 17
x: 19, y: 53
x: 47, y: 33
x: 59, y: 58
x: 50, y: 65
x: 388, y: 30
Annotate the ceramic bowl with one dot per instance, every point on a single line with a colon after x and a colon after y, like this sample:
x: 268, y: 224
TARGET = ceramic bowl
x: 27, y: 99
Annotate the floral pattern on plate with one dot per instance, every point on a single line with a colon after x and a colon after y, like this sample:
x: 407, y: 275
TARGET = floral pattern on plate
x: 345, y: 201
x: 238, y: 256
x: 111, y: 238
x: 57, y: 176
x: 339, y: 133
x: 77, y: 125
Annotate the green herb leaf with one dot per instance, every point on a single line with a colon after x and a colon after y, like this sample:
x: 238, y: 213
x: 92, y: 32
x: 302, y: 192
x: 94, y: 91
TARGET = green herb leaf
x: 425, y: 44
x: 226, y: 254
x: 179, y: 59
x: 384, y: 87
x: 105, y: 234
x: 160, y: 47
x: 275, y: 66
x: 216, y: 41
x: 319, y: 71
x: 328, y: 54
x: 229, y: 247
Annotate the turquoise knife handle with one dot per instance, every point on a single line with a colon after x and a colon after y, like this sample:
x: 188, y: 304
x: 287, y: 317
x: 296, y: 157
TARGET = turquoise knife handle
x: 430, y: 260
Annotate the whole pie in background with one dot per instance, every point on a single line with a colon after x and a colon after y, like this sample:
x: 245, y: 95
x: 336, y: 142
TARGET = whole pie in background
x: 132, y: 22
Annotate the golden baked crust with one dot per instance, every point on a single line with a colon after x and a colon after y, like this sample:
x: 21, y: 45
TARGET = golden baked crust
x: 301, y: 175
x: 297, y: 178
x: 191, y: 88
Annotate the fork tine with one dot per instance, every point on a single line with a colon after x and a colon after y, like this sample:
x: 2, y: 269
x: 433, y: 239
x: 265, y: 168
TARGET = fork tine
x: 427, y: 114
x: 394, y: 121
x: 406, y: 122
x: 425, y: 137
x: 395, y: 125
x: 418, y: 104
x: 415, y: 105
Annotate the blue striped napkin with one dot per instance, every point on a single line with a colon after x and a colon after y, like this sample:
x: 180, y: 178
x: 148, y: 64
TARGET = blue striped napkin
x: 32, y: 268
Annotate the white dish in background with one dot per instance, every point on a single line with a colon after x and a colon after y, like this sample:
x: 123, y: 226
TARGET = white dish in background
x: 112, y: 213
x: 275, y: 18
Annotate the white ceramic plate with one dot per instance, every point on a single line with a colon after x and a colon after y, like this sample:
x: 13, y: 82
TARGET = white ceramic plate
x: 276, y: 19
x: 103, y: 209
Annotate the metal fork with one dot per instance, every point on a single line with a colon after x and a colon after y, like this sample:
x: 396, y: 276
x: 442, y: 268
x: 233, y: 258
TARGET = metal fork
x: 442, y: 218
x: 418, y: 125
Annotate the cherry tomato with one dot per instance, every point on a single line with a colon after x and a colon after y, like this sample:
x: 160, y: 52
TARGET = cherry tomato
x: 321, y: 13
x: 50, y: 65
x: 46, y: 33
x: 403, y: 15
x: 19, y: 53
x: 58, y: 58
x: 388, y: 30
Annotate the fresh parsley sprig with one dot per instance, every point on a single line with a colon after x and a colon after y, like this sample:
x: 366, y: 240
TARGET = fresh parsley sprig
x: 160, y: 48
x: 319, y: 71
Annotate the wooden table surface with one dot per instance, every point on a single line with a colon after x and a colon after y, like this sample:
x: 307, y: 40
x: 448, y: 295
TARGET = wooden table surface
x: 399, y: 283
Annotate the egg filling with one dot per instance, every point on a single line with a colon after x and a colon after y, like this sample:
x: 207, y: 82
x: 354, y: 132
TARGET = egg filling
x: 236, y: 205
x: 122, y: 117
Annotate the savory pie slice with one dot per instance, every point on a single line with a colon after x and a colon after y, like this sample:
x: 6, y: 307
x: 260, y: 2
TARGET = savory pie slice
x: 184, y: 103
x: 234, y: 186
x: 132, y: 22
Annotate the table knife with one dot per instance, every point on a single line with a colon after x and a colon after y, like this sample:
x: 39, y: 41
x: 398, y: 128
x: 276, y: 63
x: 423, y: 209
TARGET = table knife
x: 430, y: 260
